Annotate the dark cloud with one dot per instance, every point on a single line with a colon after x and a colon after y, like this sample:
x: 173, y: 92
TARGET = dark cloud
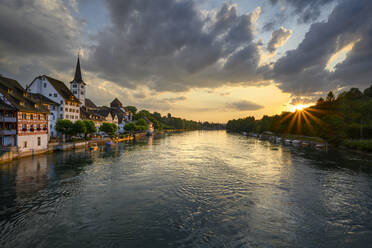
x: 171, y: 45
x: 308, y: 10
x: 278, y: 38
x: 175, y: 99
x: 302, y: 71
x: 244, y: 105
x: 34, y: 36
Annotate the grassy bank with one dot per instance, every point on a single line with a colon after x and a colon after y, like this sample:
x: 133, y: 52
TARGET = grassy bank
x: 363, y: 145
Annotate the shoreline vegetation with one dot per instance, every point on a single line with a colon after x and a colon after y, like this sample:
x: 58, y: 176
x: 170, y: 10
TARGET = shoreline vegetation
x: 83, y: 133
x: 342, y: 121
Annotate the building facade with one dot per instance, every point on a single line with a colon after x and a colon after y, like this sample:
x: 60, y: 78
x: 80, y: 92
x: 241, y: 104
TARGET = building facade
x: 56, y: 91
x: 24, y: 120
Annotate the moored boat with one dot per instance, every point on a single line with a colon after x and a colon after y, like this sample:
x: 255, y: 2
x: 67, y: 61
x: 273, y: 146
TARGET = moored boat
x: 93, y: 147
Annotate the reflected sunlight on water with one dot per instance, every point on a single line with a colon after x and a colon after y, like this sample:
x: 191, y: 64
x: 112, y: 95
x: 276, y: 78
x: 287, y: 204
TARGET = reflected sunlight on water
x: 202, y: 188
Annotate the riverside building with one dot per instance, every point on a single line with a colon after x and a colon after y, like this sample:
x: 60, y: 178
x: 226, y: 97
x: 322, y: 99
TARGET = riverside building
x: 24, y: 121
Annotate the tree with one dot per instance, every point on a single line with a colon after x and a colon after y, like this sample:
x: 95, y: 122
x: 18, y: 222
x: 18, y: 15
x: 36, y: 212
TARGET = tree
x: 108, y: 128
x: 130, y: 127
x: 330, y: 97
x: 132, y: 109
x: 320, y: 101
x: 169, y: 115
x: 65, y: 127
x: 91, y: 127
x: 79, y: 127
x: 368, y: 92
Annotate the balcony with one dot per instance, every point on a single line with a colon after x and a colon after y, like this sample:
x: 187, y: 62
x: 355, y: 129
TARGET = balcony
x: 7, y: 132
x: 8, y: 119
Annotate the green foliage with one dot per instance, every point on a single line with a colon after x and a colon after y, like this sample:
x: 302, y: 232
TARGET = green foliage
x: 90, y: 127
x: 65, y: 127
x: 132, y: 109
x: 349, y: 116
x: 130, y: 127
x: 364, y: 145
x: 79, y: 127
x: 141, y: 122
x: 108, y: 128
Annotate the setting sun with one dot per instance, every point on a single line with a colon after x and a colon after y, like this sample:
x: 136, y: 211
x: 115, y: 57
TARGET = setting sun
x: 298, y: 107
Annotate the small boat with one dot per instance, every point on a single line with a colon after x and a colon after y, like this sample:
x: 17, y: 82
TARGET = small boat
x: 93, y: 147
x: 296, y: 142
x: 245, y: 133
x: 287, y: 141
x: 320, y: 145
x: 278, y: 140
x: 305, y: 143
x: 109, y: 143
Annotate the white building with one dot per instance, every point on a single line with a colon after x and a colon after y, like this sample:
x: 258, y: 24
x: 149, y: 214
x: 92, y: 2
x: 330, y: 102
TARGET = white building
x: 77, y: 86
x: 56, y: 91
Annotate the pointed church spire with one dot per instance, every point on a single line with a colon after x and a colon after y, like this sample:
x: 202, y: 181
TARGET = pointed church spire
x: 78, y: 78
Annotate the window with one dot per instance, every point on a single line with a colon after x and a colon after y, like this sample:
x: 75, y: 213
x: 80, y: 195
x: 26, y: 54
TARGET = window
x: 24, y: 116
x: 77, y: 111
x: 31, y: 116
x: 25, y: 144
x: 61, y: 108
x: 51, y: 126
x: 82, y: 86
x: 44, y: 85
x: 54, y: 107
x: 50, y: 94
x: 66, y: 109
x: 38, y: 141
x: 55, y: 94
x: 75, y: 92
x: 74, y: 85
x: 38, y: 117
x: 61, y: 102
x: 66, y: 116
x: 82, y: 93
x: 24, y: 127
x: 61, y: 116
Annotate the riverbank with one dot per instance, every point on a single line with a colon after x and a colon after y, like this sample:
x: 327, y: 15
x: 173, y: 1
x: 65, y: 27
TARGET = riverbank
x: 10, y: 154
x: 356, y: 146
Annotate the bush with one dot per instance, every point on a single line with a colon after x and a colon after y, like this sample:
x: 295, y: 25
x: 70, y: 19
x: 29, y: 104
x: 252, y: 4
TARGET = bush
x: 364, y: 145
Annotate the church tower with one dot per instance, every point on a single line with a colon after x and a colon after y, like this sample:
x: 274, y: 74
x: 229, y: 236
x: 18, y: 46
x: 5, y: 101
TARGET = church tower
x: 77, y: 86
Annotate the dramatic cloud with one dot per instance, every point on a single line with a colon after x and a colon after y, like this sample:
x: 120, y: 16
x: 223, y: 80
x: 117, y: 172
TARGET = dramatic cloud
x: 308, y: 10
x: 278, y: 38
x: 35, y: 35
x: 244, y: 105
x: 172, y: 45
x: 303, y: 71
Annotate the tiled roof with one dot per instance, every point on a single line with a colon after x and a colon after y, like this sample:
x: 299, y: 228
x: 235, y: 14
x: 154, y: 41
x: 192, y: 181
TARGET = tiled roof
x: 62, y: 89
x: 89, y: 103
x: 43, y: 99
x: 116, y: 103
x: 19, y: 97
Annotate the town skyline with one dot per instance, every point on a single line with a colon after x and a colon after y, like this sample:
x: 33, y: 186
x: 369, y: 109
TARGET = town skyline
x: 210, y: 61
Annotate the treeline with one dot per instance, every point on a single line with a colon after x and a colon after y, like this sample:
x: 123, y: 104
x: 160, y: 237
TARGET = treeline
x: 169, y: 122
x: 347, y: 116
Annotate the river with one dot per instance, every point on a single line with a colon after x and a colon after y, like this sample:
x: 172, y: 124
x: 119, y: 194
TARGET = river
x: 191, y: 189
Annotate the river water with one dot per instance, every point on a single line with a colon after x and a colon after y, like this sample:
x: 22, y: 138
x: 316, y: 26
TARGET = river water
x: 192, y: 189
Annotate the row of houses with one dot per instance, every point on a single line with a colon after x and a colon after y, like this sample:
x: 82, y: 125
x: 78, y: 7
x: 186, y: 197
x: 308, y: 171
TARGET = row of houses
x: 28, y: 116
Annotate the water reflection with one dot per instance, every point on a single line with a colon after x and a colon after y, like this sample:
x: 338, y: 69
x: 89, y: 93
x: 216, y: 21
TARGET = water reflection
x: 196, y: 189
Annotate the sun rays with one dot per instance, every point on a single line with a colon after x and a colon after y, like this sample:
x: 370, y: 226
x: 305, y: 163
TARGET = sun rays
x: 300, y: 119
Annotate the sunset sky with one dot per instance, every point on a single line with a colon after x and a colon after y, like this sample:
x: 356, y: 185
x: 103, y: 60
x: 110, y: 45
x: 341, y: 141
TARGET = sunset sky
x: 208, y: 60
